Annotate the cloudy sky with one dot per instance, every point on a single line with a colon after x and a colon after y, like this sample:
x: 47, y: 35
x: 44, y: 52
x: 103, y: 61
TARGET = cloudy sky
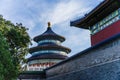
x: 34, y: 14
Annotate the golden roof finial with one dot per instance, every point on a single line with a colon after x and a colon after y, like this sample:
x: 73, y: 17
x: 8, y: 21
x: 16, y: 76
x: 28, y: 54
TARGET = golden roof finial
x: 49, y: 24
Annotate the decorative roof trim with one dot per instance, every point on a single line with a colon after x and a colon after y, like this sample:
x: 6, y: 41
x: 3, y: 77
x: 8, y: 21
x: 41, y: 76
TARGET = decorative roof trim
x: 49, y: 47
x: 47, y: 56
x: 97, y: 14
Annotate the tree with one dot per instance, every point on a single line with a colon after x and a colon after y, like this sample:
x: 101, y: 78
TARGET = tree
x: 6, y: 64
x: 18, y: 41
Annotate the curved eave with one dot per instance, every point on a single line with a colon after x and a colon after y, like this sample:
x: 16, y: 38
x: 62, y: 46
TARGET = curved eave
x: 47, y: 56
x: 49, y: 47
x: 97, y: 14
x: 49, y: 36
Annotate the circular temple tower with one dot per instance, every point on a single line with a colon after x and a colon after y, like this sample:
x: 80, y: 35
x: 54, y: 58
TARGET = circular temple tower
x: 48, y: 51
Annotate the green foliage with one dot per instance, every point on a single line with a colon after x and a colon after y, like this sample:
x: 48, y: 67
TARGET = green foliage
x: 18, y: 41
x: 6, y: 63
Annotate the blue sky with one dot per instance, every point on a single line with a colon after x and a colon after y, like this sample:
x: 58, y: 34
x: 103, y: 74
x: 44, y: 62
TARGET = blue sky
x: 34, y: 14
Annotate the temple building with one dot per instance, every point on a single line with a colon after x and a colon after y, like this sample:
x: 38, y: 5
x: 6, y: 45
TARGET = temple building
x: 103, y: 21
x: 48, y: 52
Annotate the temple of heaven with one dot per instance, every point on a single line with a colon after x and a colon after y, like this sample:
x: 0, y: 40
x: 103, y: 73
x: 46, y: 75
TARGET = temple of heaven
x: 48, y: 51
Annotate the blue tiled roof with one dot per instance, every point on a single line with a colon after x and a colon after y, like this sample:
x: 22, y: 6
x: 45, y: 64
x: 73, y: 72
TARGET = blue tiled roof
x: 49, y: 34
x: 47, y: 56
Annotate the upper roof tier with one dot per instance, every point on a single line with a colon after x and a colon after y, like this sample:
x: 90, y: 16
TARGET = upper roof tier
x: 97, y: 14
x: 49, y: 34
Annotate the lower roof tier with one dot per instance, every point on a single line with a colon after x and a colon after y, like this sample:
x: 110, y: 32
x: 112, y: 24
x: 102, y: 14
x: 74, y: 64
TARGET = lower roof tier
x: 47, y: 56
x: 49, y: 47
x: 49, y: 52
x: 43, y: 61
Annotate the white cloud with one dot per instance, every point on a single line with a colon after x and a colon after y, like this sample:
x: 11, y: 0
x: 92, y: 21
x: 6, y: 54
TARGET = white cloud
x: 76, y: 39
x: 34, y: 14
x: 18, y: 12
x: 64, y: 10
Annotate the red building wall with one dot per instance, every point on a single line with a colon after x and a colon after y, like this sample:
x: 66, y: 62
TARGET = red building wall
x: 106, y: 33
